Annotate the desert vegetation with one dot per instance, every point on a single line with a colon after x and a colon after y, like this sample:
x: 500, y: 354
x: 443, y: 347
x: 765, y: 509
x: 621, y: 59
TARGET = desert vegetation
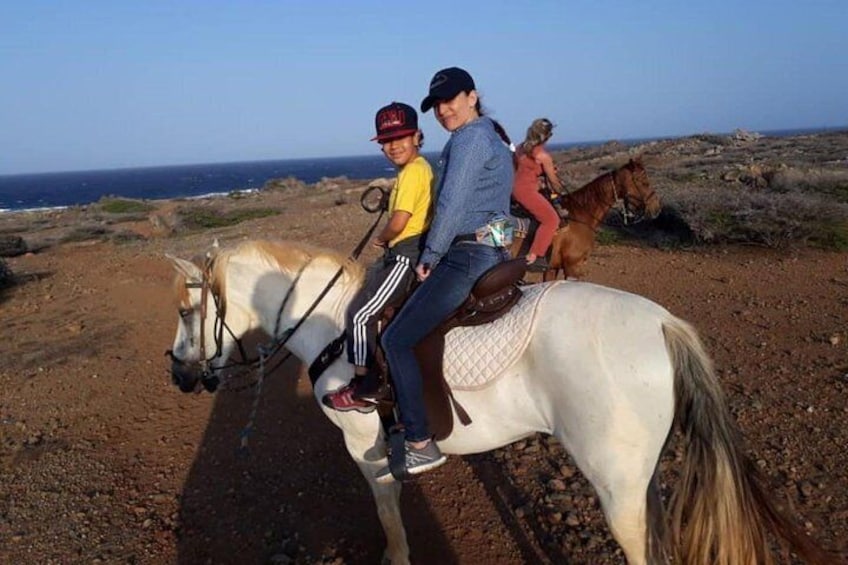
x: 774, y: 192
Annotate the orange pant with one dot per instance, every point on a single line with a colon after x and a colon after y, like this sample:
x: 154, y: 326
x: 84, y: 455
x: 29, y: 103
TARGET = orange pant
x: 543, y: 211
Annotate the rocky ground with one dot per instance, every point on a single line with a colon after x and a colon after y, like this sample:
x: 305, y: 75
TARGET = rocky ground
x: 103, y: 461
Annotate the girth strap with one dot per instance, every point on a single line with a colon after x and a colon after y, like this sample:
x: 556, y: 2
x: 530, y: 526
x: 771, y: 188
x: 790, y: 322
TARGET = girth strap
x: 326, y: 358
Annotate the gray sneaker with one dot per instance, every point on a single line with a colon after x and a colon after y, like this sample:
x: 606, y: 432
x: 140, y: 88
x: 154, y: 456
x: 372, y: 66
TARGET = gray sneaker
x: 415, y: 461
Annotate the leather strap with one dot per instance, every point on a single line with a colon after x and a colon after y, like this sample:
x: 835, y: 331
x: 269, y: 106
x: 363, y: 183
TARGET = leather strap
x: 397, y: 458
x: 326, y: 358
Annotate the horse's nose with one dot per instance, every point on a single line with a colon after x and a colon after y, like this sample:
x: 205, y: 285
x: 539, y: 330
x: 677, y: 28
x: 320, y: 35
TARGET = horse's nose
x: 654, y: 207
x: 184, y: 376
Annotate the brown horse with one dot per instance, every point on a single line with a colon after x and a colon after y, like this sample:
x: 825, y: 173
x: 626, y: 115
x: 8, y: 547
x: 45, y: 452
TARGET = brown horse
x: 626, y: 188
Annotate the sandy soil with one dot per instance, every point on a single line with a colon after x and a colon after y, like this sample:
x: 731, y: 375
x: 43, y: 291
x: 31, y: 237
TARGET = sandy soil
x: 103, y: 461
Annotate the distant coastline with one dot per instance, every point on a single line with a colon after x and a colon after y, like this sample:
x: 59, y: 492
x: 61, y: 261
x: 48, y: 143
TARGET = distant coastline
x: 40, y: 191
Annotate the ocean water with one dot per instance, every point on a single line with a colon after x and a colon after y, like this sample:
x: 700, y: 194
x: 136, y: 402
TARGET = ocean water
x: 55, y: 190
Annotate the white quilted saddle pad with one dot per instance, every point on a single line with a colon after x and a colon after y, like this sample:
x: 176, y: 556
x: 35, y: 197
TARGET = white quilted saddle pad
x: 477, y: 356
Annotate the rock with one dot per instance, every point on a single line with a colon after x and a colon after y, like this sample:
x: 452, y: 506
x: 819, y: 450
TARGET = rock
x: 12, y: 246
x: 566, y: 471
x: 384, y: 183
x: 746, y: 136
x: 557, y: 485
x: 330, y: 183
x: 806, y: 488
x: 165, y: 222
x: 7, y: 277
x: 288, y: 183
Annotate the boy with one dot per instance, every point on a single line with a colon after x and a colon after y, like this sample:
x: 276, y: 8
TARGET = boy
x: 389, y: 278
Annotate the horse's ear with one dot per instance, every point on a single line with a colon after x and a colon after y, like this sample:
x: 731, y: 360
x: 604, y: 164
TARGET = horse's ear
x: 216, y: 247
x: 186, y: 268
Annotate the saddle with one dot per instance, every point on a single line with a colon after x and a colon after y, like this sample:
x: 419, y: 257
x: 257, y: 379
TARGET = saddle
x: 494, y: 293
x: 492, y: 296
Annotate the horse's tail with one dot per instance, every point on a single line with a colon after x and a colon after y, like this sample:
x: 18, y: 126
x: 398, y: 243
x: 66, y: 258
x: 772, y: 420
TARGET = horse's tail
x: 719, y: 512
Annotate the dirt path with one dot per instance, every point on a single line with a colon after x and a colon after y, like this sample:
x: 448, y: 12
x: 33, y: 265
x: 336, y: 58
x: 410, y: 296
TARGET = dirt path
x: 102, y: 459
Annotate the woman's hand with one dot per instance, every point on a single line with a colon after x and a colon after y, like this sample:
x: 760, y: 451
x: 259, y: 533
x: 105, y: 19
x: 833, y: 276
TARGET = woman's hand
x: 423, y: 271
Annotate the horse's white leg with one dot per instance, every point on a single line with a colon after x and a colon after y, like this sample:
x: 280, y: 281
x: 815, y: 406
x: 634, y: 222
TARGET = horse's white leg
x: 621, y: 476
x: 387, y: 497
x: 367, y: 448
x: 609, y: 397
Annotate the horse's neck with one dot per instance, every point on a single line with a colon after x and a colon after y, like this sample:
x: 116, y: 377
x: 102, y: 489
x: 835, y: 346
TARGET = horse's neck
x: 324, y: 323
x: 590, y: 204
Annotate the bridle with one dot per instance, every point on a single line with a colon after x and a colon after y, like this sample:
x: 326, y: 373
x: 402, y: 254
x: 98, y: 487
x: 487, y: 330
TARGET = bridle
x: 624, y: 204
x: 209, y: 377
x: 621, y: 203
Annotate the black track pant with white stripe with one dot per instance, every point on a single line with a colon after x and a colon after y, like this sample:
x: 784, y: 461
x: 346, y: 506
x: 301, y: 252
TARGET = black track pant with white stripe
x: 387, y: 282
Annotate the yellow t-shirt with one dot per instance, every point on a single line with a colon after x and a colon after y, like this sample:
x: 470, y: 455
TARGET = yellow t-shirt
x: 412, y: 193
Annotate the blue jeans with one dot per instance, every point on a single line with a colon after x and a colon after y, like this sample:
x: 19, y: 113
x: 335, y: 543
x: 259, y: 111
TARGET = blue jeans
x: 439, y: 295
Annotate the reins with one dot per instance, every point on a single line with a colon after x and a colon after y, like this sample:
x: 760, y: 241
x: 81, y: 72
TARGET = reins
x: 209, y: 377
x: 279, y: 341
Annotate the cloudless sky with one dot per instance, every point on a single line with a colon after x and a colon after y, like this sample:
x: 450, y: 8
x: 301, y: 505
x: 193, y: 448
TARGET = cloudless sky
x: 92, y: 84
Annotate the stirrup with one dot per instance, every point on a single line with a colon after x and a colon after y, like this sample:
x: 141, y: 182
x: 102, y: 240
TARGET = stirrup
x: 378, y: 394
x: 371, y: 387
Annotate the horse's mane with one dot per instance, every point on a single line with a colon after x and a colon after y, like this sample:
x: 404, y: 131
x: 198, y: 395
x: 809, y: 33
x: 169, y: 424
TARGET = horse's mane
x: 587, y: 197
x: 287, y: 256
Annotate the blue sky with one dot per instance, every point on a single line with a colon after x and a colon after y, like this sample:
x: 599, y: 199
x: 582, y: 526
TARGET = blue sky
x: 91, y: 84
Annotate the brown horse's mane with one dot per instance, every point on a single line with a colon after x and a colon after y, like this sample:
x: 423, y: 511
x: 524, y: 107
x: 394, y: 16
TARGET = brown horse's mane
x: 589, y: 196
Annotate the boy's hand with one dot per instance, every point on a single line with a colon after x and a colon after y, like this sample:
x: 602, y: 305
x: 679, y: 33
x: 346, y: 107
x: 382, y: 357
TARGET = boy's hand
x: 377, y: 242
x: 423, y: 271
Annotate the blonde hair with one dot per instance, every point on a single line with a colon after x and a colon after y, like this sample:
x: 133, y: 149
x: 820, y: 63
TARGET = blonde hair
x: 538, y: 133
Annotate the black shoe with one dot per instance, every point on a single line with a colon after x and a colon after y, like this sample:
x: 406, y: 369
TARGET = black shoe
x: 540, y: 265
x: 372, y: 389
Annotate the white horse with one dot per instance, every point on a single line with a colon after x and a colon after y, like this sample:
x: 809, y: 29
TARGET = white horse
x: 605, y: 372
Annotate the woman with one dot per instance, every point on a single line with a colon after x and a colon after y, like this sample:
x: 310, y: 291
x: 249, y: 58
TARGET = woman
x: 471, y: 202
x: 532, y: 162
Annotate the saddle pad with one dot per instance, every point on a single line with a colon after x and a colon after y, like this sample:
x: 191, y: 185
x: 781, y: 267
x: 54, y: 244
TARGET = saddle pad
x: 477, y: 356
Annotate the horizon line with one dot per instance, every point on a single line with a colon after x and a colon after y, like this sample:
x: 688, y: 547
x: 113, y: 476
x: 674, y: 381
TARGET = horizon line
x: 569, y: 144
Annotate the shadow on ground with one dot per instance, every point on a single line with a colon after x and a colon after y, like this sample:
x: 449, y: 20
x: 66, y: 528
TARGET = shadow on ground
x: 295, y: 493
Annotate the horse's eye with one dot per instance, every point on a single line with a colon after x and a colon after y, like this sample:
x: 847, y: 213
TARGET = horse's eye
x: 184, y: 312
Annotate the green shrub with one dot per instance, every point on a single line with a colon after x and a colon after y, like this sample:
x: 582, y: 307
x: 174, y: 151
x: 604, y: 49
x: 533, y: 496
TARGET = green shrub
x: 86, y: 233
x: 125, y: 236
x: 123, y: 206
x: 199, y: 218
x: 606, y: 236
x: 830, y: 235
x: 815, y: 181
x: 765, y: 218
x: 7, y: 278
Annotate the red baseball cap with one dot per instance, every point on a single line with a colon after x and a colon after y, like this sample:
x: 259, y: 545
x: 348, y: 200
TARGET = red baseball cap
x: 395, y: 120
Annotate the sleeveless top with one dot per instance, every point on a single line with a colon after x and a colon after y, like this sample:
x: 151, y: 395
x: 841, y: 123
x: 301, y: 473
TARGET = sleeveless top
x: 528, y: 170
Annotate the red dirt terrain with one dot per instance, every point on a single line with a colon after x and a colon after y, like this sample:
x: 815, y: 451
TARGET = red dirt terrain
x: 102, y: 460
